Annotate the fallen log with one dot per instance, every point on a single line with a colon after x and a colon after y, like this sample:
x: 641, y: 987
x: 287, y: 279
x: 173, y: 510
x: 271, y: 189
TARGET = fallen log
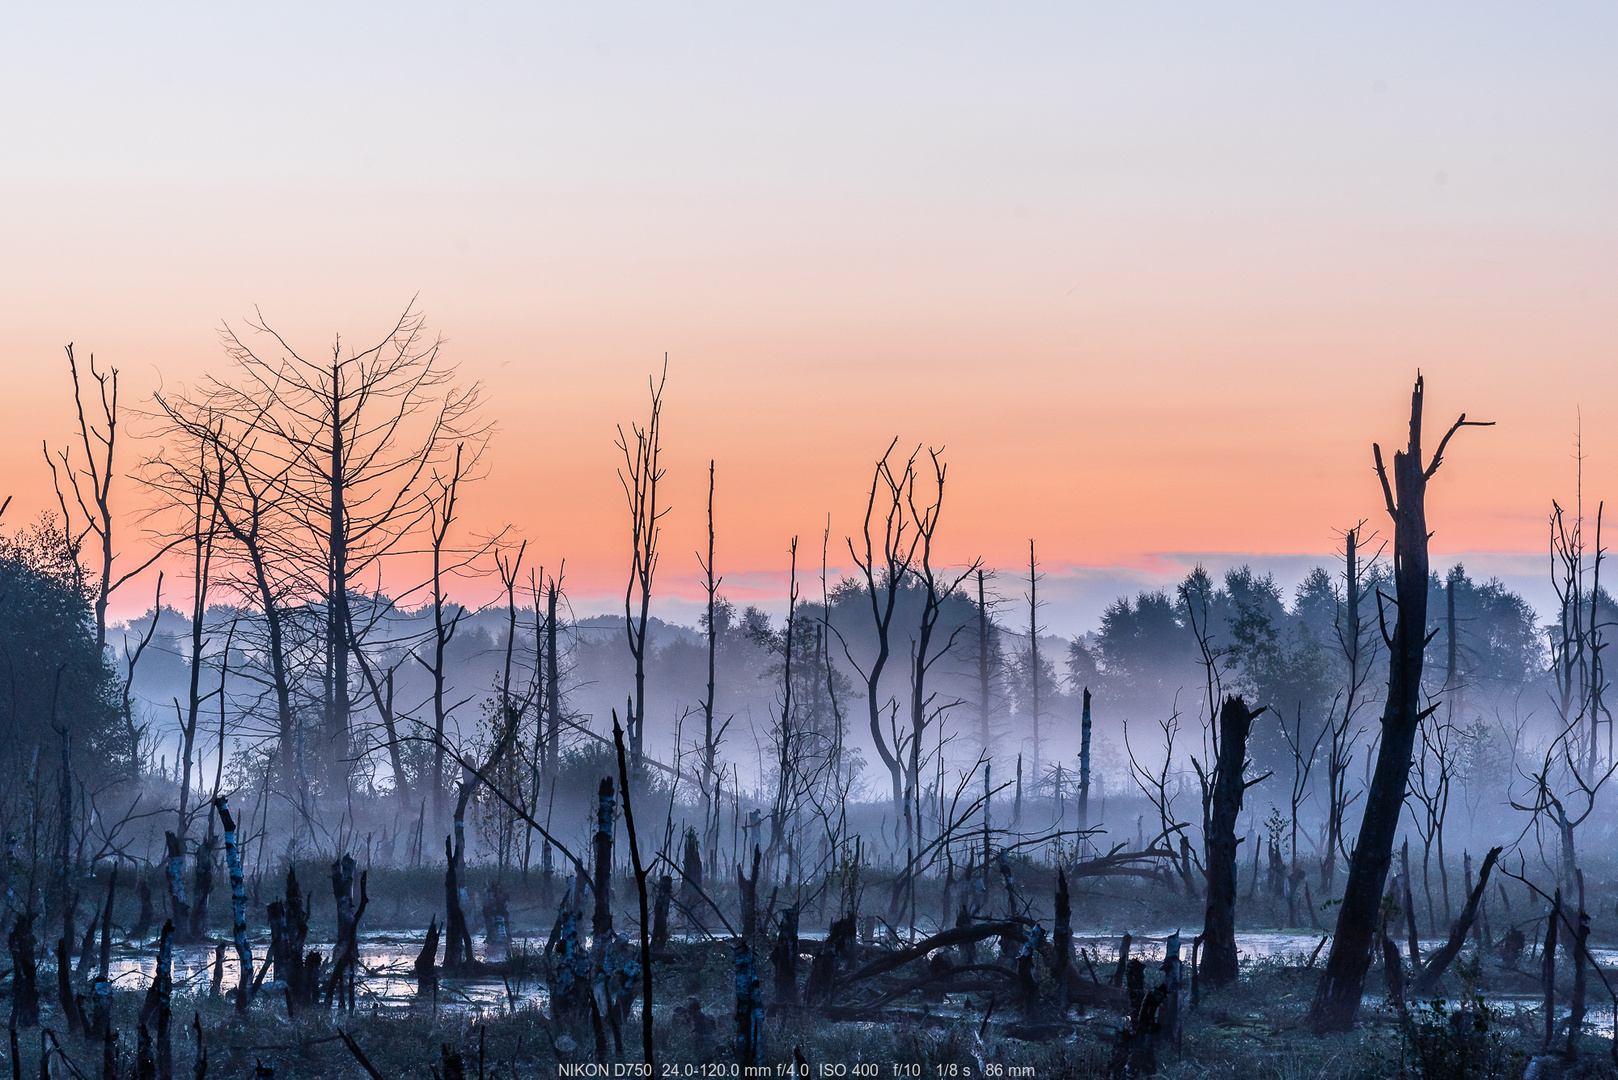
x: 957, y: 935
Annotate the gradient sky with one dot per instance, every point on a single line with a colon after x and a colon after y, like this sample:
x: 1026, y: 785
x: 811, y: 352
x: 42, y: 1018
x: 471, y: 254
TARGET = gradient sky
x: 1155, y: 275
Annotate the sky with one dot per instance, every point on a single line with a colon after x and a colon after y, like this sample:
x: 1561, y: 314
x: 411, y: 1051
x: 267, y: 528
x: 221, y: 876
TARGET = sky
x: 1153, y: 276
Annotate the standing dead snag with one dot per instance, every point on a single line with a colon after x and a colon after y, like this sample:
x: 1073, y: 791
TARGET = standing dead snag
x: 289, y: 931
x: 345, y: 953
x: 784, y: 959
x: 1219, y: 960
x: 24, y: 972
x: 884, y: 577
x: 91, y: 485
x: 748, y: 888
x: 178, y: 908
x: 749, y: 1009
x: 1062, y: 939
x: 1337, y: 995
x: 457, y: 938
x: 648, y: 1047
x: 238, y: 906
x: 642, y: 449
x: 426, y: 965
x: 1084, y: 765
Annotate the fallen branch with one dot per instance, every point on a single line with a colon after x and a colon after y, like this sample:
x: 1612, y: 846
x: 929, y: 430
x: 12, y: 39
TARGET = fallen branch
x: 959, y: 935
x: 1428, y: 977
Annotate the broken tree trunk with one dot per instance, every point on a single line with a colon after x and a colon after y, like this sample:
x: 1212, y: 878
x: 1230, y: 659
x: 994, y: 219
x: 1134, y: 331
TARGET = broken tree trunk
x: 64, y: 988
x: 164, y: 981
x: 426, y: 965
x: 1219, y: 960
x: 345, y: 952
x: 660, y: 917
x: 691, y: 882
x: 784, y: 959
x: 748, y: 887
x: 1408, y: 902
x: 1062, y: 941
x: 457, y: 938
x: 24, y: 973
x: 1337, y: 995
x: 1427, y: 978
x: 942, y: 940
x: 143, y: 925
x: 1123, y: 959
x: 1169, y: 1012
x: 179, y: 910
x: 238, y: 905
x: 201, y: 886
x: 1084, y: 765
x: 1547, y: 968
x: 601, y: 918
x: 298, y: 972
x: 749, y: 1009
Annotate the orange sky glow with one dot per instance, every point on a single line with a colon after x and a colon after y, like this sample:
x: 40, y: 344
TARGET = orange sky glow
x: 1155, y: 285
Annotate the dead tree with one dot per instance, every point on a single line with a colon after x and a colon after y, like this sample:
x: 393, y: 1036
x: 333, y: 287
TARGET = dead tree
x: 1158, y: 791
x: 441, y: 510
x: 458, y: 955
x: 1219, y: 959
x: 1337, y: 996
x: 238, y: 905
x: 91, y: 487
x: 24, y: 972
x: 642, y: 872
x: 642, y: 448
x: 924, y: 655
x: 708, y: 754
x: 345, y: 445
x: 296, y: 970
x: 1084, y: 765
x: 1303, y: 763
x: 985, y: 670
x: 884, y: 572
x: 1580, y: 686
x: 1033, y: 652
x: 1358, y: 645
x: 1430, y: 789
x: 601, y: 917
x: 786, y: 734
x: 345, y: 953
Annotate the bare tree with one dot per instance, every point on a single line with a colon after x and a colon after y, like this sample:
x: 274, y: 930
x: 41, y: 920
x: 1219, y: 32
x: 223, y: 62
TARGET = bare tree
x: 91, y: 486
x: 1219, y: 841
x: 1358, y: 644
x: 1337, y: 996
x: 1430, y: 790
x: 924, y: 708
x: 348, y: 444
x: 708, y: 753
x: 1033, y: 650
x: 441, y: 503
x: 884, y: 572
x: 642, y: 471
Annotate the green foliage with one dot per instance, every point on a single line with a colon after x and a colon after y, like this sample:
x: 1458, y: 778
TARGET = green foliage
x: 1467, y: 1042
x: 51, y: 673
